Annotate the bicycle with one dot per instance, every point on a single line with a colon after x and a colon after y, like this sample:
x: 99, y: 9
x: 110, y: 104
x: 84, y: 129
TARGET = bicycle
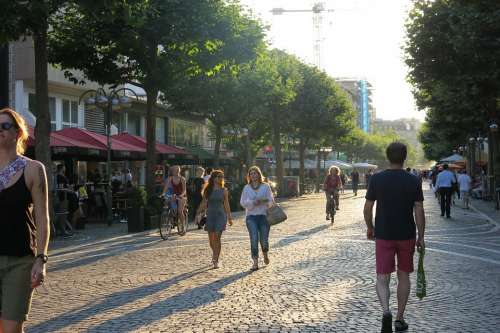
x: 169, y: 219
x: 332, y: 206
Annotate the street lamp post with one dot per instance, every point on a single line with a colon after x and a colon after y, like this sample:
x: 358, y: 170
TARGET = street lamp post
x: 493, y: 147
x: 108, y: 101
x: 472, y: 155
x: 325, y: 151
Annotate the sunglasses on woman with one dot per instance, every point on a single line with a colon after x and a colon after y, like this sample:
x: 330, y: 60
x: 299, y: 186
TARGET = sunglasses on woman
x: 6, y: 126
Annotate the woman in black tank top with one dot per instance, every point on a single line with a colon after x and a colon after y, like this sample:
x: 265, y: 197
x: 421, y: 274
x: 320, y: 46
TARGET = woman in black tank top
x: 23, y: 235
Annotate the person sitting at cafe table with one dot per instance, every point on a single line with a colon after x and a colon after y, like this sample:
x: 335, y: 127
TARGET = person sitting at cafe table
x: 60, y: 200
x: 116, y: 182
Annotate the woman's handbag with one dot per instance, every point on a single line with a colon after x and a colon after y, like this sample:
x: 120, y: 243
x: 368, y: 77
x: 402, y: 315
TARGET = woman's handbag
x: 275, y: 214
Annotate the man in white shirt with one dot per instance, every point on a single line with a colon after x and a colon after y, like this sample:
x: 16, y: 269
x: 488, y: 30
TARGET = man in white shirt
x: 444, y: 184
x: 464, y: 182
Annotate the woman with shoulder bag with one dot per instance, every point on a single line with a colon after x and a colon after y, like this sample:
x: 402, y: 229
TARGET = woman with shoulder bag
x: 216, y: 204
x: 256, y: 198
x: 24, y: 236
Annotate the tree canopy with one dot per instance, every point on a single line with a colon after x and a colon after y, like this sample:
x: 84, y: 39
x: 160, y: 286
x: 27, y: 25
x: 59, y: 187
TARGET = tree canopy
x: 453, y: 52
x: 152, y: 44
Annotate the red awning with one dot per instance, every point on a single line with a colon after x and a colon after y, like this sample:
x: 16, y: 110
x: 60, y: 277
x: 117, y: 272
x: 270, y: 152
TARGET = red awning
x: 58, y: 140
x: 95, y: 139
x: 141, y: 142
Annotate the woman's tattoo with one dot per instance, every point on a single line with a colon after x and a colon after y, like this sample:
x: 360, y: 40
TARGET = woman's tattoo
x: 41, y: 179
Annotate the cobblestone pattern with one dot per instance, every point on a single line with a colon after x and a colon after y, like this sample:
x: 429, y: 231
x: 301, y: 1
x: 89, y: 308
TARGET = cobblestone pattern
x: 321, y: 278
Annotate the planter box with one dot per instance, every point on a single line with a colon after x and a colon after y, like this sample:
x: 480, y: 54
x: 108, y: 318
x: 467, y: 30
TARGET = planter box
x: 135, y: 217
x: 151, y: 221
x: 154, y: 222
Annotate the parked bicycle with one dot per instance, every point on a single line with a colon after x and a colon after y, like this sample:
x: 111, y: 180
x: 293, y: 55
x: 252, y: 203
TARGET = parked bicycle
x: 169, y: 218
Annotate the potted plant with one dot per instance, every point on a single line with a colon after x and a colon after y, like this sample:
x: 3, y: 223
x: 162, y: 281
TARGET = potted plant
x: 135, y: 212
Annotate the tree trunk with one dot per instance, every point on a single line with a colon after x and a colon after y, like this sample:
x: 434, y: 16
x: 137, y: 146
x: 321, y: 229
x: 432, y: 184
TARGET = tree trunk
x: 278, y: 154
x: 42, y: 126
x: 248, y: 150
x: 152, y: 96
x: 318, y: 171
x: 302, y: 153
x: 218, y: 141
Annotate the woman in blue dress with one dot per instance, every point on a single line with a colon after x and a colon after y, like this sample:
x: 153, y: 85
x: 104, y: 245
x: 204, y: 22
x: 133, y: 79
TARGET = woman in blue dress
x: 216, y: 204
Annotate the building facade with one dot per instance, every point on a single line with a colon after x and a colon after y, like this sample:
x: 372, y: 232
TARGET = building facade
x: 67, y: 107
x: 360, y: 92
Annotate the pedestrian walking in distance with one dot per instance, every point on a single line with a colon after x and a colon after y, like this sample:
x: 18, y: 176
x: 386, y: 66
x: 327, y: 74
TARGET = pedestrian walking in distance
x: 465, y: 185
x: 197, y: 184
x: 399, y: 196
x: 355, y: 181
x: 216, y: 204
x: 256, y: 198
x: 444, y: 186
x: 24, y: 237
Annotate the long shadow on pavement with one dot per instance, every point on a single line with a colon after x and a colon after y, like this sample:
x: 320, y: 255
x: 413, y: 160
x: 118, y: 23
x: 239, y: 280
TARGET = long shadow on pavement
x: 102, y: 253
x: 111, y: 302
x: 299, y: 236
x: 189, y: 299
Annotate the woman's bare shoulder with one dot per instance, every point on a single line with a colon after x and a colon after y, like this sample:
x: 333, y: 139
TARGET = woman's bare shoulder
x: 34, y: 166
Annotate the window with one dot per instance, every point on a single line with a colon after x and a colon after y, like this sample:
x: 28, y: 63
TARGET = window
x: 52, y: 109
x: 134, y: 124
x: 184, y: 133
x: 160, y: 130
x: 69, y: 113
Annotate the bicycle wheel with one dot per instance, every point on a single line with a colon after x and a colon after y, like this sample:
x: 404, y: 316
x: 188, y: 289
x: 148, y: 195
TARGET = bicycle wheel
x: 332, y: 210
x: 165, y: 225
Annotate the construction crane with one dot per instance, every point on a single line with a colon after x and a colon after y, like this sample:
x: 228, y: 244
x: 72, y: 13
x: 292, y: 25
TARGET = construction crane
x: 318, y: 9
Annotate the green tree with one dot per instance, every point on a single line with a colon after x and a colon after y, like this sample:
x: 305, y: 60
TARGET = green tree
x: 214, y: 97
x: 320, y: 114
x: 281, y: 78
x: 150, y: 44
x: 30, y: 19
x: 452, y: 50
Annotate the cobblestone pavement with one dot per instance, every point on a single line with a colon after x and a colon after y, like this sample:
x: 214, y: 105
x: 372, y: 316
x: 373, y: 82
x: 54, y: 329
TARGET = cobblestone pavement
x: 321, y: 278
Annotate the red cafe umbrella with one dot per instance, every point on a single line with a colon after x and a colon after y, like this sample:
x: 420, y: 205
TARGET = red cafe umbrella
x: 141, y: 142
x: 98, y: 140
x: 58, y: 140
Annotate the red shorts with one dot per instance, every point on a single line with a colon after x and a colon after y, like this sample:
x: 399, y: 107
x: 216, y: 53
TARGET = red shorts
x: 386, y: 250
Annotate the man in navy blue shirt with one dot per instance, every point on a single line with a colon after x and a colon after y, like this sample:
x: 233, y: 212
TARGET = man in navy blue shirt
x: 399, y: 196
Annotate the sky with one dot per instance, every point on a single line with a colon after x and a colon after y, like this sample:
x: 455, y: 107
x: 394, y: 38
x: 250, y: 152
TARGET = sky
x: 361, y: 39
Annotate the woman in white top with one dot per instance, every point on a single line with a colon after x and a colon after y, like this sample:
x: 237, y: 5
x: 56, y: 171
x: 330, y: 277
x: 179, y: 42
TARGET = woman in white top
x: 256, y: 198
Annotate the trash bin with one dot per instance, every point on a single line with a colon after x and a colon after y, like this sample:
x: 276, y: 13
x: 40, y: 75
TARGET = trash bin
x: 135, y: 217
x: 291, y: 186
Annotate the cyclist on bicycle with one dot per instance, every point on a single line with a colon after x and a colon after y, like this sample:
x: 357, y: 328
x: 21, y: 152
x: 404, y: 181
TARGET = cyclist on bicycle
x: 332, y: 185
x: 176, y: 186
